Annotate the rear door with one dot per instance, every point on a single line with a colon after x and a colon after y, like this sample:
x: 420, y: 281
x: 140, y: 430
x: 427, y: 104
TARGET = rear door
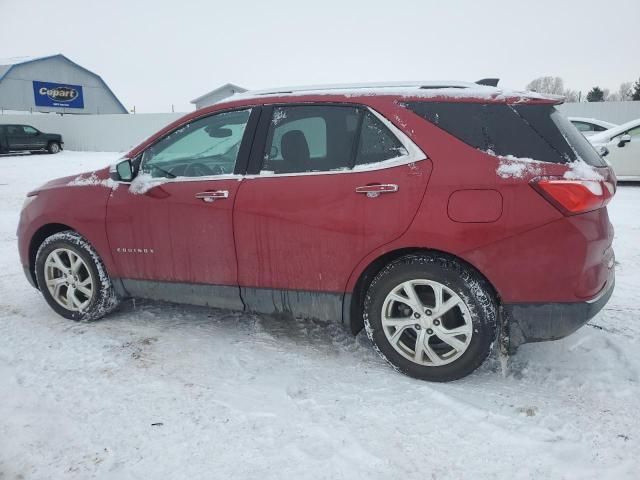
x: 15, y: 137
x: 331, y: 183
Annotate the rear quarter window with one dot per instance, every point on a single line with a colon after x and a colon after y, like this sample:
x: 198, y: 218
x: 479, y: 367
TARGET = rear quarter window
x: 536, y: 132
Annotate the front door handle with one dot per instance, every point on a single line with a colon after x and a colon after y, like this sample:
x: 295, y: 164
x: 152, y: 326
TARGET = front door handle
x: 212, y: 195
x: 375, y: 189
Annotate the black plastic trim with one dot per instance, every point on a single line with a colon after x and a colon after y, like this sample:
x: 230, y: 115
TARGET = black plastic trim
x: 30, y: 278
x: 218, y: 296
x: 540, y: 322
x: 326, y: 306
x: 242, y: 162
x: 256, y: 156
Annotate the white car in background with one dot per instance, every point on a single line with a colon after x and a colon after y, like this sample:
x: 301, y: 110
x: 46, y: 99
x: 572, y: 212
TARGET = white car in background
x: 623, y: 144
x: 590, y: 126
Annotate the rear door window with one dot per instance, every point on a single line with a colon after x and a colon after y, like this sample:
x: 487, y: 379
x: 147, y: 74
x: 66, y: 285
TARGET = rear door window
x: 311, y: 138
x: 321, y: 138
x: 536, y: 132
x: 377, y: 143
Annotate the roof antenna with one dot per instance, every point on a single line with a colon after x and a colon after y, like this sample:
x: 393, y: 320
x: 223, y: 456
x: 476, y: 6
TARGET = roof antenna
x: 489, y: 82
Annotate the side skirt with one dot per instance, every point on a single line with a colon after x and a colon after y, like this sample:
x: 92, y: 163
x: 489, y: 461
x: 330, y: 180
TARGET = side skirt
x: 219, y: 296
x: 324, y: 306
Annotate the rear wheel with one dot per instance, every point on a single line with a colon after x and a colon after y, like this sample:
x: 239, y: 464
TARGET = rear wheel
x: 431, y: 317
x: 53, y: 147
x: 72, y: 278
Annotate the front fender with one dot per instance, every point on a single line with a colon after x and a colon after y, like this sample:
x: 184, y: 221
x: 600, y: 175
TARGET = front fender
x: 80, y: 208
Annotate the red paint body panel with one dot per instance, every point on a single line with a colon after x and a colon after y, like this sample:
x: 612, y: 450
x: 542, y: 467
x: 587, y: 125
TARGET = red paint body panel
x: 81, y: 208
x: 192, y: 240
x: 308, y: 232
x: 475, y: 206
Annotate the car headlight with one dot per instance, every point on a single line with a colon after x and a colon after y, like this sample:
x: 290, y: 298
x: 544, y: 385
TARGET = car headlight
x: 27, y: 201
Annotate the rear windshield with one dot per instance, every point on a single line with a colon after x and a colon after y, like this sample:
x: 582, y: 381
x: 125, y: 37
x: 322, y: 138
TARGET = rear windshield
x: 539, y: 132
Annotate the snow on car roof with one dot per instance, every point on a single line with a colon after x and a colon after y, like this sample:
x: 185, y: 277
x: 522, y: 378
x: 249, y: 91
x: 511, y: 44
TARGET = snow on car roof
x: 409, y: 89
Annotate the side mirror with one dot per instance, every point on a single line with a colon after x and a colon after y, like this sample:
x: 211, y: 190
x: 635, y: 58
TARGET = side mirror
x: 122, y: 172
x: 624, y: 139
x: 603, y: 151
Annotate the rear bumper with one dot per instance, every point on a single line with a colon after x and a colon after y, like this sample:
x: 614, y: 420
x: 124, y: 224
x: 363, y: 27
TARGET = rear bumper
x: 539, y: 322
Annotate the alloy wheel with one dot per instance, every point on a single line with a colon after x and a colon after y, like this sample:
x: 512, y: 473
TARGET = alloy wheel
x: 426, y: 322
x: 68, y: 279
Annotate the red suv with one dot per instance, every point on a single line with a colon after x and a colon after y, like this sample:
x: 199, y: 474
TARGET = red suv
x: 437, y: 216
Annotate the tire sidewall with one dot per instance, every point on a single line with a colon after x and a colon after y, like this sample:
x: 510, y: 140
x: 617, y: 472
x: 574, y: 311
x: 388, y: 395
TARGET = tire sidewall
x: 454, y: 276
x: 53, y: 147
x: 103, y: 297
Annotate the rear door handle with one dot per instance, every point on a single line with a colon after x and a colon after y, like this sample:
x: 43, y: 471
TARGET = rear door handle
x: 213, y: 195
x: 376, y: 189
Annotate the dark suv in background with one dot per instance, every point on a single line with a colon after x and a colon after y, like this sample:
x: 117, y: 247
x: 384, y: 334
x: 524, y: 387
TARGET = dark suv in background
x: 21, y: 138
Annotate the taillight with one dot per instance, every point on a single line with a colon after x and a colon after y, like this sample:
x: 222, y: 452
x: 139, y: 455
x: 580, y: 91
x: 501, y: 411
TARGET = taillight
x: 572, y: 197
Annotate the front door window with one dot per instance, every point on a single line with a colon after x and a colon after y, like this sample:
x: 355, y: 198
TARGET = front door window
x: 205, y: 147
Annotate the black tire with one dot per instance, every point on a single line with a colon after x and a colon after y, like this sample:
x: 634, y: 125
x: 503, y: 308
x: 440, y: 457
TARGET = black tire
x: 460, y: 279
x: 53, y: 147
x: 103, y: 299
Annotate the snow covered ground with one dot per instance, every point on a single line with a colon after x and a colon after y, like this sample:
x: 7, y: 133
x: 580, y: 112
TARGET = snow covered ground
x: 163, y: 391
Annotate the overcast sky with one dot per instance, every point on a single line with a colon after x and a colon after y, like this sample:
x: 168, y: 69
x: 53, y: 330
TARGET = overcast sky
x: 157, y: 53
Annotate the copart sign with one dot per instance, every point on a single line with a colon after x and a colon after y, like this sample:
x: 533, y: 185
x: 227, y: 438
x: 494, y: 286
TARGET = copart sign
x: 60, y: 95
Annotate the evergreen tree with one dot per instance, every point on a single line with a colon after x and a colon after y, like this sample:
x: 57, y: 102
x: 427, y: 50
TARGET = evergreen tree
x: 595, y: 95
x: 635, y: 95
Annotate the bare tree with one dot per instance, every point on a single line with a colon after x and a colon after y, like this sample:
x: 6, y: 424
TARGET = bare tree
x: 571, y: 96
x: 553, y: 85
x: 625, y: 92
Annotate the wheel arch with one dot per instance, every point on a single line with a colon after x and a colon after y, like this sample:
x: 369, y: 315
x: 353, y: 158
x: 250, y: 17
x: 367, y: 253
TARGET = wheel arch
x: 354, y: 302
x: 40, y: 235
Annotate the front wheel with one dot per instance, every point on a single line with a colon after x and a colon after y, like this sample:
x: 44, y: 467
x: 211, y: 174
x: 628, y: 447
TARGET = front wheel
x: 431, y: 317
x: 53, y: 147
x: 72, y: 278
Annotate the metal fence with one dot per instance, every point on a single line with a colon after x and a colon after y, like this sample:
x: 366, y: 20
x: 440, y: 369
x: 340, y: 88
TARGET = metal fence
x: 97, y: 133
x: 615, y: 112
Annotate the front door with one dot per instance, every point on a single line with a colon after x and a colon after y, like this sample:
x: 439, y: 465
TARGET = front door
x: 625, y: 158
x: 33, y: 139
x: 335, y: 183
x: 171, y: 230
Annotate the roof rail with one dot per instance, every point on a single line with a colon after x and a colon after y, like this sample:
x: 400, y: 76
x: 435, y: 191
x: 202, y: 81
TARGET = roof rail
x: 489, y: 82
